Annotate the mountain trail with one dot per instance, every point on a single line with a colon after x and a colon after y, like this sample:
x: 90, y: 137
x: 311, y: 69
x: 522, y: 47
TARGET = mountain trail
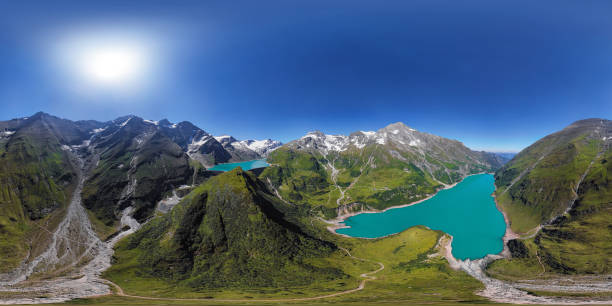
x: 334, y: 177
x: 540, y: 262
x: 600, y: 152
x: 367, y: 277
x: 520, y: 176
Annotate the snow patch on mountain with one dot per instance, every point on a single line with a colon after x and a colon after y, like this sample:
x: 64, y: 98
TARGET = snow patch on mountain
x: 96, y: 131
x: 262, y: 147
x: 397, y: 134
x: 223, y: 138
x: 336, y: 142
x: 255, y: 148
x: 324, y: 143
x: 6, y: 133
x: 368, y: 133
x: 125, y: 122
x: 151, y: 121
x: 197, y: 143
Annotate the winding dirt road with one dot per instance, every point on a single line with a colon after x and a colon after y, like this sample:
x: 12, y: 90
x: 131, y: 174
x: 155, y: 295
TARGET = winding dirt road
x: 367, y: 277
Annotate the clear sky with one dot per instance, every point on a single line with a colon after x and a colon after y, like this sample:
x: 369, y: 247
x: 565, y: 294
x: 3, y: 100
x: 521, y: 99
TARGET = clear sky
x: 497, y: 75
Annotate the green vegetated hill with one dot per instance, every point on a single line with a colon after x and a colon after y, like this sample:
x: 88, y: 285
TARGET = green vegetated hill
x: 229, y: 232
x: 561, y: 182
x: 374, y: 170
x: 36, y: 180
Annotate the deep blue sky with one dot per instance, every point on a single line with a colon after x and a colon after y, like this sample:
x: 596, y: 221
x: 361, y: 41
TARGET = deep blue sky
x: 496, y: 75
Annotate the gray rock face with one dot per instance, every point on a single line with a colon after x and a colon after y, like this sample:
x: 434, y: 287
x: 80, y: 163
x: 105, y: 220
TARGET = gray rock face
x: 239, y: 151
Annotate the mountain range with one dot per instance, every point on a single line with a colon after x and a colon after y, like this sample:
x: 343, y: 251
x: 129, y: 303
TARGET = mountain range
x: 131, y: 162
x: 72, y: 191
x: 371, y: 170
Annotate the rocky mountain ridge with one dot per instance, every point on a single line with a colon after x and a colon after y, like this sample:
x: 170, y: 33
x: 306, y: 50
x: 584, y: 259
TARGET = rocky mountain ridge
x: 248, y: 149
x: 132, y: 164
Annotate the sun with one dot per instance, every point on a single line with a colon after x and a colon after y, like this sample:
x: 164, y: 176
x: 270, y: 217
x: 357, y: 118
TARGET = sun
x: 110, y: 61
x: 112, y: 65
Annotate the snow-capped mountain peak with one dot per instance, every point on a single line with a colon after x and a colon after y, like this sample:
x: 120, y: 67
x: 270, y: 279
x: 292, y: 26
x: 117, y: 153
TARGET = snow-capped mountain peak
x: 402, y: 135
x: 324, y: 143
x: 247, y: 149
x: 397, y: 134
x: 225, y: 139
x: 262, y: 147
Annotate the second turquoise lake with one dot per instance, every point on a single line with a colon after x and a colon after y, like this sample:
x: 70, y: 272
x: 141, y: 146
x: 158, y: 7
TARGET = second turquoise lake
x: 246, y: 165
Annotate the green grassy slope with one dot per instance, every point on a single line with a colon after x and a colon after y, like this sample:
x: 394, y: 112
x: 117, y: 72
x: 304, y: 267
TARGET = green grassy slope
x: 35, y: 182
x: 578, y: 242
x: 411, y: 274
x: 552, y: 167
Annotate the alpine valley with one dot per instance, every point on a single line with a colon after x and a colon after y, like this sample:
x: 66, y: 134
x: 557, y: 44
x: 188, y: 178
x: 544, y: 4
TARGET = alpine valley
x: 127, y: 212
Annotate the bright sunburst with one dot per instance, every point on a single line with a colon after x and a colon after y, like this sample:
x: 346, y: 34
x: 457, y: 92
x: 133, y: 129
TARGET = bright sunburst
x: 112, y: 64
x: 111, y: 61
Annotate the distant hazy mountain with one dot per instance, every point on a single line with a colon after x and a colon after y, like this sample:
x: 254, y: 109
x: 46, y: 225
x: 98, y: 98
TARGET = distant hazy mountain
x: 394, y: 165
x: 562, y: 183
x: 506, y: 155
x: 247, y: 149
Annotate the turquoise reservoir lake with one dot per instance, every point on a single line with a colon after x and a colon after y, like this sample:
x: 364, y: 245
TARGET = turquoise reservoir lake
x: 466, y: 211
x: 246, y: 165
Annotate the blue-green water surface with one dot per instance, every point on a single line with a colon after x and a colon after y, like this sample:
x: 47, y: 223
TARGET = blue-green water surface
x: 246, y: 165
x: 466, y: 211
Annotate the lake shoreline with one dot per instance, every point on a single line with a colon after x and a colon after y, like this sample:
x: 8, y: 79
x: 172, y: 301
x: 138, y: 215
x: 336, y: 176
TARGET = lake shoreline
x: 510, y: 234
x: 338, y: 222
